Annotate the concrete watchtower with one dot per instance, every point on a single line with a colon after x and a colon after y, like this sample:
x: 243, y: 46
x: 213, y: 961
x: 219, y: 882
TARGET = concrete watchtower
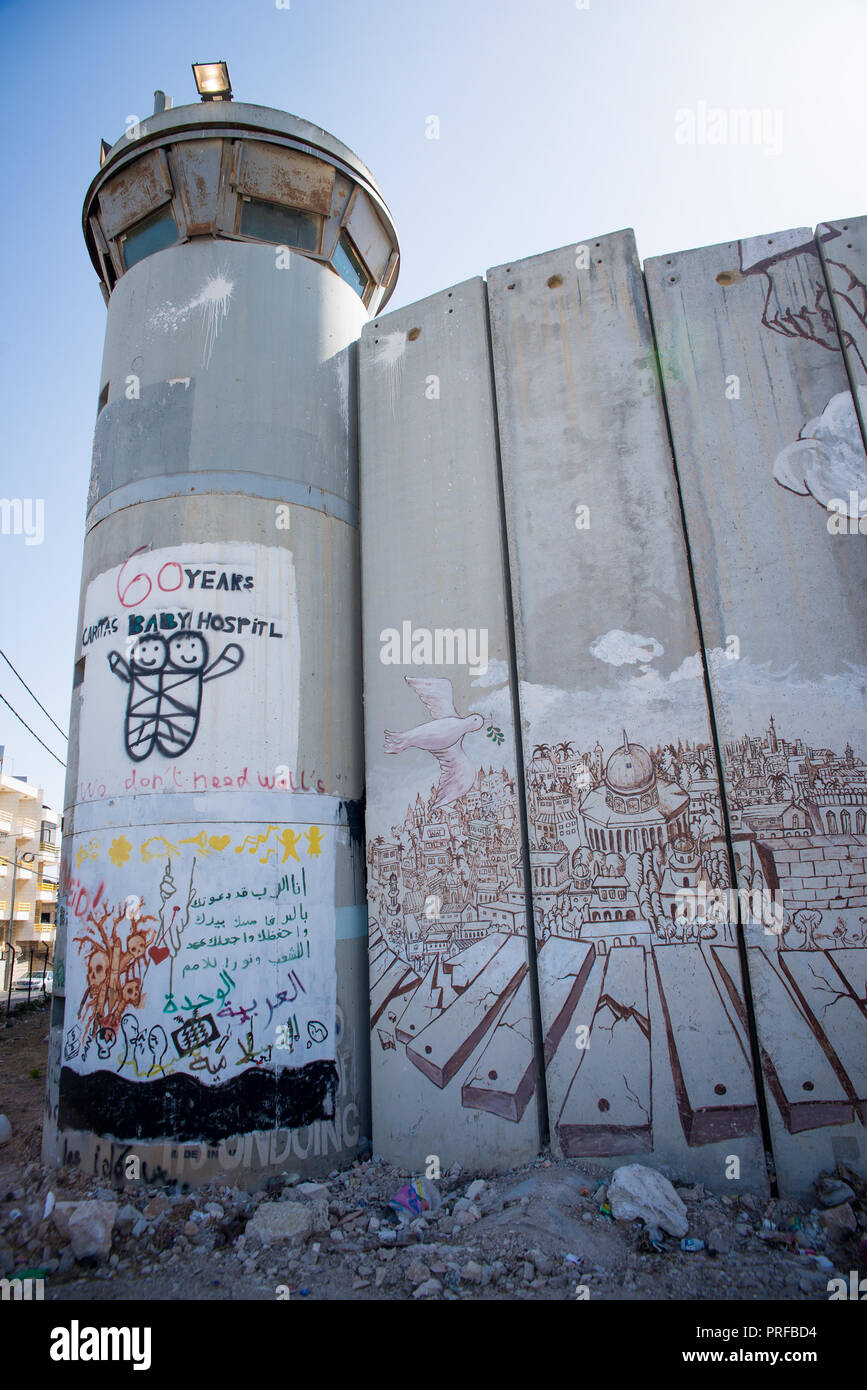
x: 212, y: 924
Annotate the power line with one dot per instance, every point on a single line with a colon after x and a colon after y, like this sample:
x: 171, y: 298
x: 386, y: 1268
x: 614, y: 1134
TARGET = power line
x: 30, y: 692
x: 30, y: 731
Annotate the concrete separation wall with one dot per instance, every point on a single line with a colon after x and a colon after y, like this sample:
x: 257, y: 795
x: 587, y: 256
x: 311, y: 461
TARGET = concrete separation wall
x: 450, y: 997
x: 622, y: 792
x: 770, y: 459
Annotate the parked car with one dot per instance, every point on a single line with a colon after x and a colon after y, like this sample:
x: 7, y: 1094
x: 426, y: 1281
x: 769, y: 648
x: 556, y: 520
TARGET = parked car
x: 35, y: 982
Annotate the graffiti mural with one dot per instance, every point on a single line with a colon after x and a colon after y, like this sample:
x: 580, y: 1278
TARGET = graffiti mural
x: 200, y: 979
x: 827, y: 460
x: 202, y: 966
x: 201, y: 630
x: 635, y: 918
x: 165, y: 682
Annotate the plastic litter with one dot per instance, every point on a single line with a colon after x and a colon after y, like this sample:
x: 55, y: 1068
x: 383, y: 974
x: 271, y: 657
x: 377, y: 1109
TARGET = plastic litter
x: 605, y: 1210
x: 574, y: 1260
x: 417, y: 1197
x: 692, y: 1243
x: 656, y: 1237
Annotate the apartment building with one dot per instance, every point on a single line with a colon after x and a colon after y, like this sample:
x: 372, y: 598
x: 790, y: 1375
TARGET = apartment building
x: 30, y: 840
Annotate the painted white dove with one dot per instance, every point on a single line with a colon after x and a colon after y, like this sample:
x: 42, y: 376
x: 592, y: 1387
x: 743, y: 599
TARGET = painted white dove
x: 442, y: 736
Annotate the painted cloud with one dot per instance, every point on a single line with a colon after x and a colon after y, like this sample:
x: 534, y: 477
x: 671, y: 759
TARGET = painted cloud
x: 827, y: 460
x: 621, y: 648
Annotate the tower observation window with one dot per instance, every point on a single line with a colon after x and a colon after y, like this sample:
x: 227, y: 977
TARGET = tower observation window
x: 349, y: 267
x: 284, y: 226
x: 155, y: 233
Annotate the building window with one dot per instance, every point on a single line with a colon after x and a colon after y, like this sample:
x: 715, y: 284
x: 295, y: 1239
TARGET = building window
x: 349, y: 267
x: 845, y: 822
x: 832, y: 823
x: 153, y: 234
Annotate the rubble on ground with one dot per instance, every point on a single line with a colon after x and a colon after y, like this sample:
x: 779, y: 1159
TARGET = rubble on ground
x: 548, y: 1229
x: 551, y: 1229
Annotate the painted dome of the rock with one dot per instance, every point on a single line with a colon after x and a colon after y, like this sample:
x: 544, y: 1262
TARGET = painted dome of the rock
x: 629, y: 769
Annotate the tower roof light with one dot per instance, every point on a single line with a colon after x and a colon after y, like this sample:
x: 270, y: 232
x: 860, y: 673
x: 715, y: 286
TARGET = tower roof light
x: 212, y: 81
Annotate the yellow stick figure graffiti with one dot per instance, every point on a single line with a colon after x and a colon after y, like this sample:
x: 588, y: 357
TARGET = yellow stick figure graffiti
x: 289, y: 840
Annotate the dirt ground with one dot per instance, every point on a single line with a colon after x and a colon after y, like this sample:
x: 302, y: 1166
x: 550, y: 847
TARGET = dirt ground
x: 537, y: 1232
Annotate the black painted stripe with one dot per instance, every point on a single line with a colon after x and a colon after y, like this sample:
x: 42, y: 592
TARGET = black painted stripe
x: 183, y: 1108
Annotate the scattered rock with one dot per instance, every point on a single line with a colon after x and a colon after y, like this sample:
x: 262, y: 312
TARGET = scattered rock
x: 719, y: 1239
x: 833, y: 1192
x: 157, y: 1206
x: 691, y: 1194
x: 429, y: 1289
x: 469, y: 1217
x: 319, y: 1213
x: 281, y: 1222
x: 127, y: 1218
x: 312, y: 1189
x: 60, y: 1215
x: 5, y: 1130
x: 90, y: 1228
x: 418, y: 1272
x: 476, y: 1189
x: 472, y: 1272
x: 839, y: 1219
x: 641, y: 1193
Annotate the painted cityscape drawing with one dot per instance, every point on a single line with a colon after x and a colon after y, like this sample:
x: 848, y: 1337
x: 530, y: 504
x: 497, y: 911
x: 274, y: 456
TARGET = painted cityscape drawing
x: 621, y: 841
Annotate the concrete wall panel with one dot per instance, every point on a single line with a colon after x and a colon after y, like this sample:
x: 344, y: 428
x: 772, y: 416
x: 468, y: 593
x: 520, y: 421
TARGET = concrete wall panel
x: 623, y: 800
x: 768, y: 450
x: 449, y: 950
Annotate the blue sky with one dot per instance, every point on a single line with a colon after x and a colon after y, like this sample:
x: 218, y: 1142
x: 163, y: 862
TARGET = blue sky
x: 557, y: 124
